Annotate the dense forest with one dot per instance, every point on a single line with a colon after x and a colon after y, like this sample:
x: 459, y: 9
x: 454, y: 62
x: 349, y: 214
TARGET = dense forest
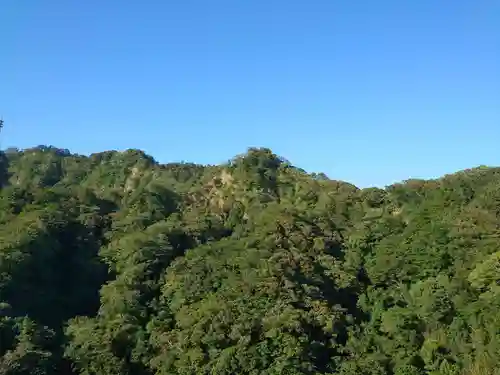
x: 115, y: 264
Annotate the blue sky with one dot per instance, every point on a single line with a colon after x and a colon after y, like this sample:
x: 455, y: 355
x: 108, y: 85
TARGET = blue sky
x: 366, y: 91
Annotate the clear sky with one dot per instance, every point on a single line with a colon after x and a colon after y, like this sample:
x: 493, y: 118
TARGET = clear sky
x: 366, y: 91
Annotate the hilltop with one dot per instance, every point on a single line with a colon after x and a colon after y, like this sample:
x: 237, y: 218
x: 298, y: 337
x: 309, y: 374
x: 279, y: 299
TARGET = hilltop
x: 116, y: 264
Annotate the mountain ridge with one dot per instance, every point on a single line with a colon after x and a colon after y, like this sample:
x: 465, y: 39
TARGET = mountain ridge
x: 113, y: 263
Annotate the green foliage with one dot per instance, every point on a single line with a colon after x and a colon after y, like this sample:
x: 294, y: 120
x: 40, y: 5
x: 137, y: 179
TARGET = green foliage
x: 115, y: 264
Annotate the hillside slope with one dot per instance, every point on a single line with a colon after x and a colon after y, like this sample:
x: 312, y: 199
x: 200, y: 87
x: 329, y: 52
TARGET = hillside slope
x: 115, y: 264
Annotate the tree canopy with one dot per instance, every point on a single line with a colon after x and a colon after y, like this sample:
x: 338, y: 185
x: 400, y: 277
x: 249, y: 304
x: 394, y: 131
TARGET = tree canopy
x: 116, y: 264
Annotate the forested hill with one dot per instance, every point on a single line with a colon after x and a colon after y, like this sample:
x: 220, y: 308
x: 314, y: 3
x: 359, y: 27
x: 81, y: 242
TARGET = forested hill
x: 115, y: 264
